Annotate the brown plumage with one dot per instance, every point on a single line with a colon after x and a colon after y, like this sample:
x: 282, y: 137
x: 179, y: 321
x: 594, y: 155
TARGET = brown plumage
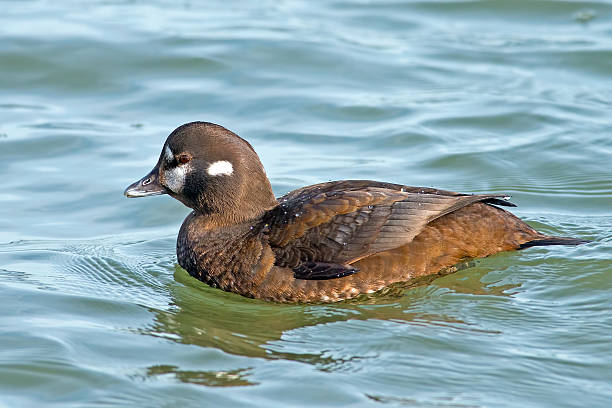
x: 320, y: 243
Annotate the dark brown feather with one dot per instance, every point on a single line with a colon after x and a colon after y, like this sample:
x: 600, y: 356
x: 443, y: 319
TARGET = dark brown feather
x: 345, y: 221
x: 322, y: 271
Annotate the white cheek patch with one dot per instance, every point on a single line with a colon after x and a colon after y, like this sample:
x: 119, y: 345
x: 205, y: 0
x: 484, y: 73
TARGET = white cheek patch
x: 175, y: 178
x: 220, y: 168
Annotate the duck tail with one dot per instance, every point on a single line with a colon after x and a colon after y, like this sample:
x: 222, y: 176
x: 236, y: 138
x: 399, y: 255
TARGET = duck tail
x: 546, y: 240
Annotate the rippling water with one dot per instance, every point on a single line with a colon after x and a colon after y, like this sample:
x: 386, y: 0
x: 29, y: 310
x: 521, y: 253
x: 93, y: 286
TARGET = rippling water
x: 507, y: 96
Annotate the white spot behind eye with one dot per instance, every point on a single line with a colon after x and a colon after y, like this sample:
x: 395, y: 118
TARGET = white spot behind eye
x: 168, y: 155
x: 221, y: 167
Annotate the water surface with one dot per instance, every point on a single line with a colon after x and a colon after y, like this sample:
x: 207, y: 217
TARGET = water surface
x: 475, y: 96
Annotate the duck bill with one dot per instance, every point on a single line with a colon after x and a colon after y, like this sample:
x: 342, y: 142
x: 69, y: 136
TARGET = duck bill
x: 147, y: 186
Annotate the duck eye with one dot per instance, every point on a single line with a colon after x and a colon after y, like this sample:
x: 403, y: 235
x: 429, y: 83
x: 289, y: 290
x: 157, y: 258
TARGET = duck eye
x: 183, y: 158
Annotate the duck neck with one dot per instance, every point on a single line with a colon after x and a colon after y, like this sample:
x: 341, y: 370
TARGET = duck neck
x: 225, y: 201
x: 235, y: 209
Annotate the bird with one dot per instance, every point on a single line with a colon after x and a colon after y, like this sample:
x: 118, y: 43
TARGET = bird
x: 322, y: 243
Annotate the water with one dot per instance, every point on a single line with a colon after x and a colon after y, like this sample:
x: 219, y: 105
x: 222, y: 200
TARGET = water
x: 476, y: 96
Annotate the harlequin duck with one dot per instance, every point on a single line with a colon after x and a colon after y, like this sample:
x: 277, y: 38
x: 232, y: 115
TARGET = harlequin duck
x: 322, y: 243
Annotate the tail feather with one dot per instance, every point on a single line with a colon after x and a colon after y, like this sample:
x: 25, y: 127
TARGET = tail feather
x: 547, y: 240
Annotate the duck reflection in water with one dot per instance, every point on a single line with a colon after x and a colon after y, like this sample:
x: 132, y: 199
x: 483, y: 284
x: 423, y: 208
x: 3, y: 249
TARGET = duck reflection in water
x: 245, y: 327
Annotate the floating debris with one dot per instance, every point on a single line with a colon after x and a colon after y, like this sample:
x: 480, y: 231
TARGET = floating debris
x: 584, y: 16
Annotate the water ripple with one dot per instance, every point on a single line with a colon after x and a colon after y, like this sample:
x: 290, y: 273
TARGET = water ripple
x: 472, y: 96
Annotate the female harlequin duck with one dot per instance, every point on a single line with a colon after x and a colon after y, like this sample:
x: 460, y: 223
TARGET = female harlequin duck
x: 321, y: 243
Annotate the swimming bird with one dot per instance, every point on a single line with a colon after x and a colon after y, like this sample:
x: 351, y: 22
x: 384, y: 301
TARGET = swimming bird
x: 321, y: 243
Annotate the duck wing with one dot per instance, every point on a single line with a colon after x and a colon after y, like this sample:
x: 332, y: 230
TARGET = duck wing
x: 319, y: 230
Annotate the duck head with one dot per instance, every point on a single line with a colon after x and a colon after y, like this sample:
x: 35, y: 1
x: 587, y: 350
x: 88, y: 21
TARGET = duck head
x: 211, y: 170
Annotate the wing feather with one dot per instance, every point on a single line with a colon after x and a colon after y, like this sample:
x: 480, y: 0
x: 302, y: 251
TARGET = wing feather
x: 341, y: 222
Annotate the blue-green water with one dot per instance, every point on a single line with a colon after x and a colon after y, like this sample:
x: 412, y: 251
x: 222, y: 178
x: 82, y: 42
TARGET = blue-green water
x: 476, y: 96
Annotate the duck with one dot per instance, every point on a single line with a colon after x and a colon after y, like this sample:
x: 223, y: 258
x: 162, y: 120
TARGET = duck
x: 322, y: 243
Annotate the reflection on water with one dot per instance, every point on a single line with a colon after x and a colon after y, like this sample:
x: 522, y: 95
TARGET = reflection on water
x: 446, y: 401
x: 208, y: 317
x: 232, y: 378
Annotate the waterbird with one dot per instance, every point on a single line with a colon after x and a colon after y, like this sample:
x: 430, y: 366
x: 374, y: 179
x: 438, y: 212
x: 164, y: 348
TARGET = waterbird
x: 321, y: 243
